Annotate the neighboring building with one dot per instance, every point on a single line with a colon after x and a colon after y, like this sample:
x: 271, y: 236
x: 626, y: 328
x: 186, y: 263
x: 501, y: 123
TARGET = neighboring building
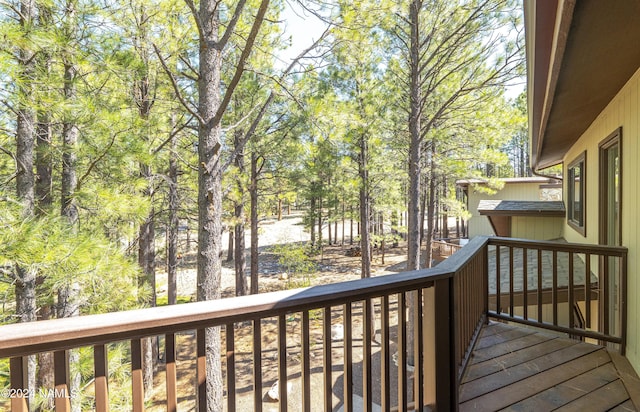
x: 525, y: 207
x: 583, y: 61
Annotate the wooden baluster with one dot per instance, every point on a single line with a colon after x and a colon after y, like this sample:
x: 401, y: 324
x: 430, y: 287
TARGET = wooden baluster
x: 418, y: 348
x: 485, y: 281
x: 570, y: 297
x: 606, y: 291
x: 201, y: 369
x: 554, y: 291
x: 540, y: 285
x: 587, y: 289
x: 446, y: 370
x: 385, y: 370
x: 257, y: 365
x: 282, y: 361
x: 367, y: 313
x: 19, y: 382
x: 61, y: 381
x: 306, y: 365
x: 511, y: 281
x: 498, y: 297
x: 101, y: 383
x: 328, y: 381
x: 623, y: 302
x: 525, y: 286
x: 137, y: 384
x: 231, y: 367
x: 171, y: 372
x: 402, y: 353
x: 348, y: 358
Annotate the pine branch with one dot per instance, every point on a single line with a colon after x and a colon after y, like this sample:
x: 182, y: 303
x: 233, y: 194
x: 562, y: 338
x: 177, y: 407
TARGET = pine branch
x: 196, y: 18
x: 93, y: 164
x: 267, y: 103
x: 220, y: 45
x: 257, y: 23
x: 176, y: 88
x: 172, y: 134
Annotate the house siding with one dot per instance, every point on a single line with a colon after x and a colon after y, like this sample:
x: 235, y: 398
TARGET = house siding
x: 536, y: 228
x: 622, y: 111
x: 480, y: 226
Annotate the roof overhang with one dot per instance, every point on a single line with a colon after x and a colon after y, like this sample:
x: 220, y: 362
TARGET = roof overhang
x: 580, y: 53
x: 500, y: 212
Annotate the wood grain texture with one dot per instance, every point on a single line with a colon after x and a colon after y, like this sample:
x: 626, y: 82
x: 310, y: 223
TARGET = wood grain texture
x: 539, y: 371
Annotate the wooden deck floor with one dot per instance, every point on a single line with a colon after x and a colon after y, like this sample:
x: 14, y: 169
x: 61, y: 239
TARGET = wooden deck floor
x: 518, y: 369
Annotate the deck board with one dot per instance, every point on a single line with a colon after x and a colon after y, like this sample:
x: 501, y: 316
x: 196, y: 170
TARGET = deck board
x: 602, y: 399
x: 568, y: 391
x: 502, y: 337
x: 505, y: 377
x: 486, y: 353
x: 625, y: 407
x: 511, y: 359
x: 522, y: 369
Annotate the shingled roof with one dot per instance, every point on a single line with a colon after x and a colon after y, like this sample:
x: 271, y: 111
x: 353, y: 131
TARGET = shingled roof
x: 521, y: 208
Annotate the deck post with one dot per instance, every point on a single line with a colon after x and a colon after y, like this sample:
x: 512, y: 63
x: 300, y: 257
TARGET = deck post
x: 61, y: 380
x: 20, y: 382
x: 446, y: 368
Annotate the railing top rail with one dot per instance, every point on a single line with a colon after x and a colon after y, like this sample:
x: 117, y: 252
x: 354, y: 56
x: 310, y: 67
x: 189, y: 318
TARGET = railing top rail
x: 49, y: 335
x: 559, y: 246
x: 458, y: 260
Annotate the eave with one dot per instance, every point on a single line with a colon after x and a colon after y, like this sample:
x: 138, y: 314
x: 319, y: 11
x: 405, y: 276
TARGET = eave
x: 580, y: 53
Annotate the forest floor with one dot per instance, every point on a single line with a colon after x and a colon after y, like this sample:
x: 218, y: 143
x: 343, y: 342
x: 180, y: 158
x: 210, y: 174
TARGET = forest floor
x: 332, y: 266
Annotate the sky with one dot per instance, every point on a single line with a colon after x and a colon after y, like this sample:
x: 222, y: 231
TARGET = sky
x: 303, y: 27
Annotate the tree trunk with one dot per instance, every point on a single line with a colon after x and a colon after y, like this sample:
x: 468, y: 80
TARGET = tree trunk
x: 43, y: 161
x: 413, y: 232
x: 239, y: 262
x: 351, y: 225
x: 365, y: 235
x: 174, y: 221
x: 70, y: 134
x: 319, y: 215
x: 230, y: 247
x: 68, y: 294
x: 430, y: 209
x: 279, y: 209
x: 25, y: 285
x: 210, y: 193
x: 253, y: 194
x: 445, y: 210
x: 329, y: 228
x: 343, y: 222
x: 415, y: 130
x: 312, y: 211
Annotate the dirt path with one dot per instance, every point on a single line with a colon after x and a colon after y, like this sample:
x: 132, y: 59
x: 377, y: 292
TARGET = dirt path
x: 332, y: 266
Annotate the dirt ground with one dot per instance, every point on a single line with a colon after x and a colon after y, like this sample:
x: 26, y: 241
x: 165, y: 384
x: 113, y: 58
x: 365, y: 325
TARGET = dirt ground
x: 333, y: 265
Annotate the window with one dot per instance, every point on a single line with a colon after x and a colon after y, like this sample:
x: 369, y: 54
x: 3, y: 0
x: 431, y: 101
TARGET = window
x: 576, y: 176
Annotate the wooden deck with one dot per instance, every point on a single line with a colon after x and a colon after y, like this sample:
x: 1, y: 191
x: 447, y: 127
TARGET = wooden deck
x: 518, y: 369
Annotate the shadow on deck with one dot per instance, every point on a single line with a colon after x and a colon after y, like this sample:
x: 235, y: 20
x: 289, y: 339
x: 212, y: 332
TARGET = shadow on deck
x: 521, y: 369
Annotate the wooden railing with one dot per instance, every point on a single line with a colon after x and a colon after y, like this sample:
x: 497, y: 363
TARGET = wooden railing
x: 542, y: 283
x: 431, y: 317
x: 444, y: 249
x: 445, y: 305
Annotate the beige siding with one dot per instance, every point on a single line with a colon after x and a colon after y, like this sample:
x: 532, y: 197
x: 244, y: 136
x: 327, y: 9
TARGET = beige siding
x: 536, y: 228
x: 479, y: 225
x: 623, y: 111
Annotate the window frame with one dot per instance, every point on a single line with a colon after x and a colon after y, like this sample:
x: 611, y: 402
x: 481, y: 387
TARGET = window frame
x: 577, y: 219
